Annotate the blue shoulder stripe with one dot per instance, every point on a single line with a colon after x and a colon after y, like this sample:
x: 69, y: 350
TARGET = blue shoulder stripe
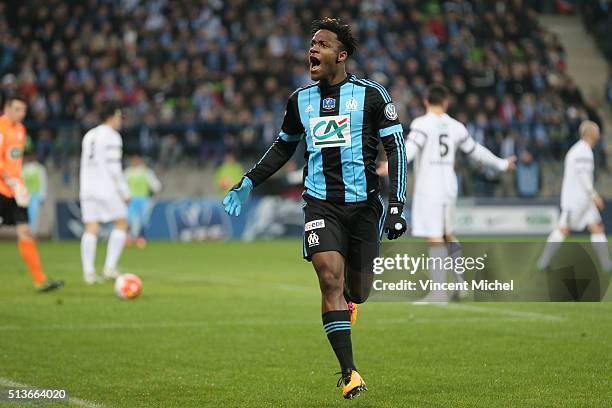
x: 390, y: 130
x: 290, y: 138
x: 382, y: 91
x: 372, y: 84
x: 303, y: 88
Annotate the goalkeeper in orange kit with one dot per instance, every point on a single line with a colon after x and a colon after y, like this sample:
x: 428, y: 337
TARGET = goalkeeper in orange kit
x: 14, y: 196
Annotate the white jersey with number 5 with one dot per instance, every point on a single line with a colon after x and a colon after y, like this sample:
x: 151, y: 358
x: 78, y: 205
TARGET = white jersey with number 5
x: 438, y: 138
x: 433, y: 142
x: 101, y: 173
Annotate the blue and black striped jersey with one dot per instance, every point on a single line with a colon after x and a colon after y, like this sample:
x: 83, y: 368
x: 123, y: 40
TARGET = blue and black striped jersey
x: 341, y: 126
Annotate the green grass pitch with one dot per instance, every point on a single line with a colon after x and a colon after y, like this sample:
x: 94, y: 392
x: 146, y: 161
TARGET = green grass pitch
x: 238, y: 325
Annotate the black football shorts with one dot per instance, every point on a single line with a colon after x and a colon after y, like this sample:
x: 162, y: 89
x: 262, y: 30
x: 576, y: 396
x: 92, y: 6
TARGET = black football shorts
x: 11, y: 213
x: 354, y: 229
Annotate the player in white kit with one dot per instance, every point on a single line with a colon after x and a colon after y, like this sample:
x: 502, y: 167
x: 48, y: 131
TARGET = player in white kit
x: 432, y: 143
x: 104, y: 192
x: 580, y: 203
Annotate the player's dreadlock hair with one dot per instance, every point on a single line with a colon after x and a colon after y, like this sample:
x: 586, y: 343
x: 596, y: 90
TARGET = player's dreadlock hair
x: 337, y: 26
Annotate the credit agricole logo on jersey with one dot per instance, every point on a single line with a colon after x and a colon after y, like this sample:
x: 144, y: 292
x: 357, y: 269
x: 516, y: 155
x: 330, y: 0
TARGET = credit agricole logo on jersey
x: 331, y: 131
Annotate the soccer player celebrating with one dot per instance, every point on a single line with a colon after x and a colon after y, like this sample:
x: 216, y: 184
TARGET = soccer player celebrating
x: 432, y: 143
x: 341, y: 119
x: 579, y: 200
x: 14, y: 196
x: 104, y: 192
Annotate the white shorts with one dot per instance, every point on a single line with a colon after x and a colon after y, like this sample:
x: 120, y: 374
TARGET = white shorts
x: 577, y: 218
x: 103, y: 210
x: 432, y: 218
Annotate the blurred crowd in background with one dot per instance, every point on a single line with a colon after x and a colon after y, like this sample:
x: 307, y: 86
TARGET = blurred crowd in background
x: 200, y: 78
x: 597, y: 18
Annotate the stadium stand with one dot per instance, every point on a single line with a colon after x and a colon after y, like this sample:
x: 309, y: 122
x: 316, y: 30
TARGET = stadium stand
x: 597, y: 19
x: 200, y: 78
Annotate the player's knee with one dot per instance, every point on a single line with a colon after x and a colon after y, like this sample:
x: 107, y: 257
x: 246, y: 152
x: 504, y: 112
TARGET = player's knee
x: 564, y: 231
x: 596, y: 228
x: 358, y: 285
x: 121, y: 224
x: 92, y: 228
x: 330, y: 280
x: 330, y: 283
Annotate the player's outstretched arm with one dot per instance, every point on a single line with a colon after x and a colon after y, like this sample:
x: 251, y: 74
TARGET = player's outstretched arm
x: 411, y: 152
x: 395, y: 223
x: 415, y: 142
x: 481, y: 154
x: 237, y: 196
x: 277, y: 155
x: 391, y: 135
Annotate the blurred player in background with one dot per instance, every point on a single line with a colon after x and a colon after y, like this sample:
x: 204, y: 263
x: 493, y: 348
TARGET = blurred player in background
x: 432, y: 143
x: 580, y: 203
x: 35, y: 180
x: 104, y: 192
x: 228, y: 173
x: 14, y: 196
x: 142, y: 183
x: 341, y: 119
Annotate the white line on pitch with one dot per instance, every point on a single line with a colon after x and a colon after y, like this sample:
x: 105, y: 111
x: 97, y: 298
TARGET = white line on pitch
x: 240, y: 282
x: 500, y: 312
x: 195, y: 324
x: 149, y: 325
x: 5, y: 382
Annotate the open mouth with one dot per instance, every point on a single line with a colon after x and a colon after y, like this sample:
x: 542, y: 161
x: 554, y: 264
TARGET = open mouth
x: 315, y: 63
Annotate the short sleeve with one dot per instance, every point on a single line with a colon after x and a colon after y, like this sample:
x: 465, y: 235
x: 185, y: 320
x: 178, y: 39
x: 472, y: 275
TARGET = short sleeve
x: 417, y: 134
x: 467, y: 144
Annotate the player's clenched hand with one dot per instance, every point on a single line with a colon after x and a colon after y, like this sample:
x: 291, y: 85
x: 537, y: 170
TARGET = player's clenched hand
x: 22, y: 195
x: 598, y: 201
x: 382, y: 169
x: 395, y: 224
x: 511, y: 163
x: 236, y: 197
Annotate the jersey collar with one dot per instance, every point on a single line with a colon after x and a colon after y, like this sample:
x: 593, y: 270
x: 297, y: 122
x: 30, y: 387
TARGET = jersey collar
x: 338, y: 85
